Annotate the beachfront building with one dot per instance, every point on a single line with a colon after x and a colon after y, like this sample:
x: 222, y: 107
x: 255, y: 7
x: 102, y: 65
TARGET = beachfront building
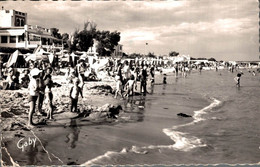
x: 92, y: 51
x: 16, y: 33
x: 118, y: 52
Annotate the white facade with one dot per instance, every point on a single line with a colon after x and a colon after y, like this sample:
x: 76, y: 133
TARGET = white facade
x: 25, y: 37
x: 92, y: 51
x: 12, y: 18
x: 15, y: 33
x: 118, y: 51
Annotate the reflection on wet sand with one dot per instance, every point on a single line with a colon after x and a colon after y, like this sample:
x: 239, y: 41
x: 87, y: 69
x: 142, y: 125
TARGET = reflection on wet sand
x: 72, y: 136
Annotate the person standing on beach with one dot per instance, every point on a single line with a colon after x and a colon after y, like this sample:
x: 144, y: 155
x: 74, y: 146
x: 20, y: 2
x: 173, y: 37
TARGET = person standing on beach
x: 119, y: 72
x: 49, y: 96
x: 41, y: 93
x: 81, y: 71
x: 176, y: 69
x: 33, y: 93
x: 119, y: 87
x: 74, y: 95
x: 152, y: 73
x: 126, y: 70
x: 130, y: 86
x: 143, y: 78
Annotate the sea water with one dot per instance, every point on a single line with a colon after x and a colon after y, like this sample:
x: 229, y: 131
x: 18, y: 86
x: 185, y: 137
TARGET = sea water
x: 225, y: 127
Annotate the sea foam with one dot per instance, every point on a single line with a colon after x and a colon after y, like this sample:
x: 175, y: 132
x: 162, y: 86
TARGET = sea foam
x: 182, y: 141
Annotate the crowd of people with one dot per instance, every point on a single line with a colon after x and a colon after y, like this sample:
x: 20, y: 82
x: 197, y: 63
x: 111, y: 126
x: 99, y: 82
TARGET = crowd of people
x: 126, y: 73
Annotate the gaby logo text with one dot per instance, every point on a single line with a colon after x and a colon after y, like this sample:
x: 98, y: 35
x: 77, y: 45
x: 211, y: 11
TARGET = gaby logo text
x: 23, y: 143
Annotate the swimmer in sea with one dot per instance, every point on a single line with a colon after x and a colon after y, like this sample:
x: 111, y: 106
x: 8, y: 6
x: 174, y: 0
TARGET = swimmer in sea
x: 164, y: 79
x: 237, y: 79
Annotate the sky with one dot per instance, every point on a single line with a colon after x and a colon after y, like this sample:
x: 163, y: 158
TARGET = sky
x: 225, y: 30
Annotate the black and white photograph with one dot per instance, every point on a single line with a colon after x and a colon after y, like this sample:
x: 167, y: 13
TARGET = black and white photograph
x: 120, y: 83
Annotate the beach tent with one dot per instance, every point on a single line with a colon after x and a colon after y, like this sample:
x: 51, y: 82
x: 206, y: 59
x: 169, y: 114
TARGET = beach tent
x: 35, y: 57
x: 16, y: 59
x: 101, y: 64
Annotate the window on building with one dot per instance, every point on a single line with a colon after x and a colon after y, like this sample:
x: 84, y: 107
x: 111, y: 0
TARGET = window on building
x: 21, y: 38
x: 44, y: 41
x: 22, y: 22
x: 3, y: 39
x: 12, y: 39
x: 17, y: 22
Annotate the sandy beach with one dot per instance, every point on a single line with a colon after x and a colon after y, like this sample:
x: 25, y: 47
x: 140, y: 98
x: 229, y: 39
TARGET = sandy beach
x: 15, y: 107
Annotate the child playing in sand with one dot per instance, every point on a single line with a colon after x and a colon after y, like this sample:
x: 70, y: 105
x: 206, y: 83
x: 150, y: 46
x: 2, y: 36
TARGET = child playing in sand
x: 74, y: 94
x: 130, y: 86
x: 119, y: 87
x: 237, y: 79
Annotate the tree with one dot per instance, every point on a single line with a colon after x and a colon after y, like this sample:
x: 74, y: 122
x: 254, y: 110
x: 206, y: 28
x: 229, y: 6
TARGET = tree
x: 65, y: 39
x: 55, y: 33
x: 173, y: 54
x: 82, y: 40
x: 151, y: 55
x: 211, y: 59
x: 134, y: 55
x: 124, y: 54
x: 107, y: 42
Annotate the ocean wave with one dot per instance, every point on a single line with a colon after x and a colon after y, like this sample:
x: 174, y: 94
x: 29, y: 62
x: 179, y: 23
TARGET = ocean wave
x: 182, y: 141
x: 107, y: 155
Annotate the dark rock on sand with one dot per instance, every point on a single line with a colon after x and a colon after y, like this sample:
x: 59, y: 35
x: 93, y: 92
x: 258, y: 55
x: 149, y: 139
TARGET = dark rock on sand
x: 103, y: 88
x: 95, y: 113
x: 72, y: 163
x: 6, y: 115
x: 113, y: 111
x: 18, y: 135
x: 184, y: 115
x: 17, y: 95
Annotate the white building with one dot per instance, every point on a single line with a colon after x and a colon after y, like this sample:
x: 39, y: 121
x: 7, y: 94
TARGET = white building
x: 15, y: 33
x: 92, y: 51
x: 118, y: 52
x: 12, y: 18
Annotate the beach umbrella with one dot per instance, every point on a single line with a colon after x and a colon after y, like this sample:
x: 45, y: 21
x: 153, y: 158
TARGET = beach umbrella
x: 13, y: 58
